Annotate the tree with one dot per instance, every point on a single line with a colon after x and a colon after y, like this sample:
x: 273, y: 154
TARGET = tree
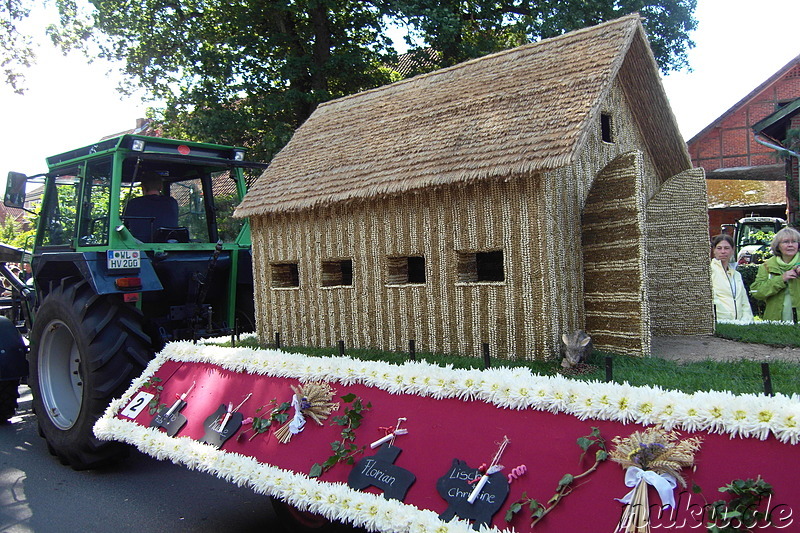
x: 16, y: 51
x: 462, y: 30
x: 249, y: 72
x: 244, y: 72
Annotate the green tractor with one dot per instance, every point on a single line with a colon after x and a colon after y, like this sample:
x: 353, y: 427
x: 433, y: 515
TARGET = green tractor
x: 107, y: 286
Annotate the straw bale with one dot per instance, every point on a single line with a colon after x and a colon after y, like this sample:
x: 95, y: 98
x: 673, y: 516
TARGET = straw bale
x: 614, y: 274
x: 678, y: 250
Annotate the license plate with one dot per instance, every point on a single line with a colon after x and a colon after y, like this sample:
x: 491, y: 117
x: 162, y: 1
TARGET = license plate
x: 122, y: 259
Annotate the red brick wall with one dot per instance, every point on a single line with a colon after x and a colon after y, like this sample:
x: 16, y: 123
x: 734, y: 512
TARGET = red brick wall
x: 730, y: 142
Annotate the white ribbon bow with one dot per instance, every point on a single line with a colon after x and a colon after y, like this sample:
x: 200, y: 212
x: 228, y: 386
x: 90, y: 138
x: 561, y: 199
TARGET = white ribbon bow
x: 663, y: 483
x: 297, y: 423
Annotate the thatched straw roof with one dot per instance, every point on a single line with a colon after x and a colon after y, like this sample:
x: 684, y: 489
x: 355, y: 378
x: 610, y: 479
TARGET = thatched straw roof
x: 520, y: 110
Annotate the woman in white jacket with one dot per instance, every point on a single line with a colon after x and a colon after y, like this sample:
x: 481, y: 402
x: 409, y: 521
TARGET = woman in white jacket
x: 730, y: 296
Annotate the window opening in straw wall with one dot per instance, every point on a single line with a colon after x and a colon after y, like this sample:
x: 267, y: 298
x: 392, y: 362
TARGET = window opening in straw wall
x: 606, y: 127
x: 337, y: 272
x: 405, y: 270
x: 285, y: 275
x: 481, y: 266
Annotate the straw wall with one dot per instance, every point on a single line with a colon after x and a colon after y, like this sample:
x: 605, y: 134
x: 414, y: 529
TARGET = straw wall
x: 443, y: 314
x: 678, y: 252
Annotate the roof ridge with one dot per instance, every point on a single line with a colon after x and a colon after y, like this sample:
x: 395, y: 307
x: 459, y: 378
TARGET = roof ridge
x: 626, y: 19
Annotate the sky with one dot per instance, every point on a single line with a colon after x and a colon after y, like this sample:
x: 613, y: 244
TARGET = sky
x: 70, y: 103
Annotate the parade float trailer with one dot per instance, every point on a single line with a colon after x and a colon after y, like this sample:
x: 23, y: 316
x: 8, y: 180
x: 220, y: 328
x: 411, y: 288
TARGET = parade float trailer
x: 500, y: 202
x: 443, y: 424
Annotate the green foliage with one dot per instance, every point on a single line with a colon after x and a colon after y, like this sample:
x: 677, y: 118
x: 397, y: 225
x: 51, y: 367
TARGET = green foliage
x: 565, y: 484
x: 17, y: 234
x: 16, y: 49
x: 742, y: 512
x: 153, y: 384
x: 249, y: 73
x: 278, y: 414
x: 463, y: 30
x: 345, y: 449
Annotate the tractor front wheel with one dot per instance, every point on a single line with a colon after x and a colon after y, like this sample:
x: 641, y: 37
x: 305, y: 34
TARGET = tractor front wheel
x: 85, y: 350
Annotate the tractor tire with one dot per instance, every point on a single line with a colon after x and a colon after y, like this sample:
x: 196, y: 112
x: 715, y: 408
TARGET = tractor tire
x: 9, y: 392
x: 85, y: 350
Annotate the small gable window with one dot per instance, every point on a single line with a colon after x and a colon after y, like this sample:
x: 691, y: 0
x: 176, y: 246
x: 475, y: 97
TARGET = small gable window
x: 284, y: 275
x: 338, y: 272
x: 606, y: 128
x: 481, y: 266
x: 404, y: 270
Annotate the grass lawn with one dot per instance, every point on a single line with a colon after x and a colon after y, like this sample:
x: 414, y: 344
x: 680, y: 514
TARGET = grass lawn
x: 738, y: 376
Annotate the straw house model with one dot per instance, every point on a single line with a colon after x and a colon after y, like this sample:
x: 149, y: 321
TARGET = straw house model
x: 505, y: 200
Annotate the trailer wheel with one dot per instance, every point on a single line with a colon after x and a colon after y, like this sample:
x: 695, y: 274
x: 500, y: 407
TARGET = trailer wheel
x: 9, y: 392
x: 85, y: 350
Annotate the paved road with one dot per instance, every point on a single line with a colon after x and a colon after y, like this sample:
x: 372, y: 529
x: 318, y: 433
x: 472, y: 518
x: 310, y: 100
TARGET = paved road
x: 141, y: 495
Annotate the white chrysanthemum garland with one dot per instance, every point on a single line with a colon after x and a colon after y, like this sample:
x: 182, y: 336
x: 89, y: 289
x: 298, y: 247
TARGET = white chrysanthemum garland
x: 743, y: 415
x: 750, y: 415
x: 335, y: 501
x: 757, y: 322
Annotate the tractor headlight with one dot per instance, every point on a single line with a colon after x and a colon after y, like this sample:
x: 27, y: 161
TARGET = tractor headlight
x: 138, y: 145
x: 238, y: 155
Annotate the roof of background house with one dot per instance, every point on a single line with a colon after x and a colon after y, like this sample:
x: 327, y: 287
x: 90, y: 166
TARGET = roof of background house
x: 755, y: 92
x: 521, y: 110
x: 776, y: 124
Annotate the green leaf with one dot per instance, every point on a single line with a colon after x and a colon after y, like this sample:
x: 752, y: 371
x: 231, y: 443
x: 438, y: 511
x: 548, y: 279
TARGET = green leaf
x: 585, y: 443
x: 696, y: 488
x: 601, y: 455
x: 316, y: 470
x: 566, y: 480
x: 348, y: 398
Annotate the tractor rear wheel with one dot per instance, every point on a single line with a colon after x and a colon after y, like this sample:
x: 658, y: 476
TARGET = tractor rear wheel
x: 85, y: 350
x: 9, y: 392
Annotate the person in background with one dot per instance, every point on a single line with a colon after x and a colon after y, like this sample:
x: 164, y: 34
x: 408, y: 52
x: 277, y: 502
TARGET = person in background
x: 776, y: 281
x: 730, y: 296
x: 144, y: 214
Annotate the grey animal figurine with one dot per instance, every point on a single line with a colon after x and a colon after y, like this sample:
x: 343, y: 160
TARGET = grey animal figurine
x: 577, y: 348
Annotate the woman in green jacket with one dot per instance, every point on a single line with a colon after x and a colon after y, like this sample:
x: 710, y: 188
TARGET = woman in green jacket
x: 777, y: 279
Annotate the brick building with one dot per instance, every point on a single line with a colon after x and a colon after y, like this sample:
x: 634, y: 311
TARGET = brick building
x: 744, y: 177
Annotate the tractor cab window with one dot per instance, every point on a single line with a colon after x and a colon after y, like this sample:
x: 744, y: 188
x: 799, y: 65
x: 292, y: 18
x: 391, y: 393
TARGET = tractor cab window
x: 191, y: 208
x: 60, y: 209
x: 226, y: 198
x: 94, y: 202
x: 206, y: 198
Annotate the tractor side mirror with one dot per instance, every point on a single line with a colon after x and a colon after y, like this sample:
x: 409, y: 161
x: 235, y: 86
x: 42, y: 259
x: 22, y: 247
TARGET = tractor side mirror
x: 15, y: 190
